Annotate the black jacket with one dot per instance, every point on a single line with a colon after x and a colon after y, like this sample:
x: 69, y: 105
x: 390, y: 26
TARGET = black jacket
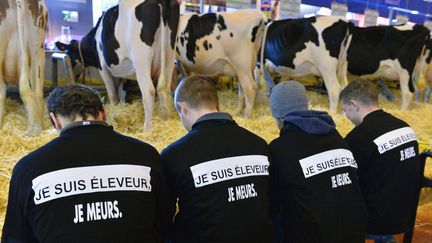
x: 314, y: 184
x: 386, y: 152
x: 219, y: 173
x: 91, y: 184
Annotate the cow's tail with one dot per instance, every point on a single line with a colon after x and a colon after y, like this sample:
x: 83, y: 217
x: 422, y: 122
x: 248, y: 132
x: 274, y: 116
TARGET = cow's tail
x: 342, y: 68
x: 261, y: 79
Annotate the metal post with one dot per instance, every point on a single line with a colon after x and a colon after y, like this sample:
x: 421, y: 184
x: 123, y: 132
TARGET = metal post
x: 201, y: 6
x: 390, y: 15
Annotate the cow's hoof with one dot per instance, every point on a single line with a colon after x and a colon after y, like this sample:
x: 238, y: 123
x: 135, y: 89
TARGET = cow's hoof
x: 247, y: 115
x: 33, y: 131
x: 147, y: 128
x: 165, y: 113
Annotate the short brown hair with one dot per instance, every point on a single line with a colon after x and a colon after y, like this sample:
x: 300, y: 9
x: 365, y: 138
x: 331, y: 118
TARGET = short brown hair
x: 360, y: 90
x: 197, y: 92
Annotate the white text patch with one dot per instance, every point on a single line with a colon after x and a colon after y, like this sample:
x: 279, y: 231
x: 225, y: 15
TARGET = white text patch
x: 395, y: 138
x: 218, y: 170
x: 325, y: 161
x: 90, y: 179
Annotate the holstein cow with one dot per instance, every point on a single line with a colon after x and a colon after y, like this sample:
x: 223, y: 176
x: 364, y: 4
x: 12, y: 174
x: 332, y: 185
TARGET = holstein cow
x: 223, y: 43
x: 388, y: 52
x: 133, y: 40
x: 309, y: 46
x: 22, y: 58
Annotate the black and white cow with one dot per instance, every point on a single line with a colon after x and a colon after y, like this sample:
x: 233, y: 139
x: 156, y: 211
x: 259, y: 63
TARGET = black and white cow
x: 133, y: 40
x: 223, y: 43
x: 309, y: 46
x: 389, y: 52
x: 22, y: 57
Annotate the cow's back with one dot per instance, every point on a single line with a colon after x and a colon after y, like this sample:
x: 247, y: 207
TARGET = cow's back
x: 208, y: 43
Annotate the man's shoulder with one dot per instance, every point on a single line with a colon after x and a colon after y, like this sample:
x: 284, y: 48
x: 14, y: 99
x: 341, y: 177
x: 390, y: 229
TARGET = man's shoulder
x: 251, y: 135
x: 35, y: 158
x: 131, y: 141
x: 277, y: 142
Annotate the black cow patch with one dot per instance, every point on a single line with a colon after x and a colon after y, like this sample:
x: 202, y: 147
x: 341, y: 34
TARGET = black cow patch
x: 231, y: 34
x: 173, y: 15
x: 177, y: 50
x: 182, y: 40
x: 148, y: 13
x: 170, y: 14
x: 254, y: 31
x: 285, y: 38
x: 198, y: 27
x: 371, y: 45
x: 221, y: 23
x: 218, y: 37
x: 335, y: 36
x: 205, y: 44
x: 109, y: 42
x: 210, y: 46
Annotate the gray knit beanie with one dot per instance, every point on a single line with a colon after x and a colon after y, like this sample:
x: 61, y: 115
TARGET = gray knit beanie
x: 286, y: 97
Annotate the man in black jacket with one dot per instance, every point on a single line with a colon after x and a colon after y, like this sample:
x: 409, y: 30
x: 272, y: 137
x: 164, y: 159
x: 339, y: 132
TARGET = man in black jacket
x: 386, y: 151
x: 218, y: 172
x: 314, y: 186
x: 90, y: 184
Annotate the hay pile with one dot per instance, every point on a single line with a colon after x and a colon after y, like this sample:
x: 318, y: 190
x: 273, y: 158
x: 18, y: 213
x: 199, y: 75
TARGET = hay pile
x: 129, y: 118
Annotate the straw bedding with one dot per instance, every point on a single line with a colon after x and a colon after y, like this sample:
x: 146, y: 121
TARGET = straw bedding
x: 129, y: 118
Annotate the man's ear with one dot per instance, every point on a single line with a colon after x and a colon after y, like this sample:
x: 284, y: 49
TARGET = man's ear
x: 102, y: 114
x: 181, y: 107
x: 355, y: 104
x: 55, y: 121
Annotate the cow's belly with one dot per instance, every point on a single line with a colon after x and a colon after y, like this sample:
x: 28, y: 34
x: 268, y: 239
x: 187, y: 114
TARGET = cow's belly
x: 387, y: 70
x: 125, y: 69
x: 300, y: 70
x: 210, y: 67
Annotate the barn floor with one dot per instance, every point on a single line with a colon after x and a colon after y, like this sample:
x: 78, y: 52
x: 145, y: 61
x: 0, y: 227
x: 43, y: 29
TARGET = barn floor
x: 128, y: 119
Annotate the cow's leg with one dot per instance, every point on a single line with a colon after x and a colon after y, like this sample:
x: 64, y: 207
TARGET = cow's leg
x: 148, y: 96
x: 109, y: 84
x: 333, y: 88
x: 29, y: 96
x: 241, y: 100
x: 121, y: 90
x: 249, y: 88
x: 3, y: 88
x: 145, y: 83
x: 37, y: 80
x: 427, y: 94
x: 406, y: 94
x: 164, y: 90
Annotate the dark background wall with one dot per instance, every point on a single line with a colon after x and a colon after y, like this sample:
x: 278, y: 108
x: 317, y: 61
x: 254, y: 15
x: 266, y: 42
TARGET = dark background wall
x: 85, y: 17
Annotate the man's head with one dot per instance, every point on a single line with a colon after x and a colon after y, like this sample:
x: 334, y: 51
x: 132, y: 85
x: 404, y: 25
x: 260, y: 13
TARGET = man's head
x: 359, y: 98
x: 195, y: 96
x: 287, y: 97
x: 71, y: 103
